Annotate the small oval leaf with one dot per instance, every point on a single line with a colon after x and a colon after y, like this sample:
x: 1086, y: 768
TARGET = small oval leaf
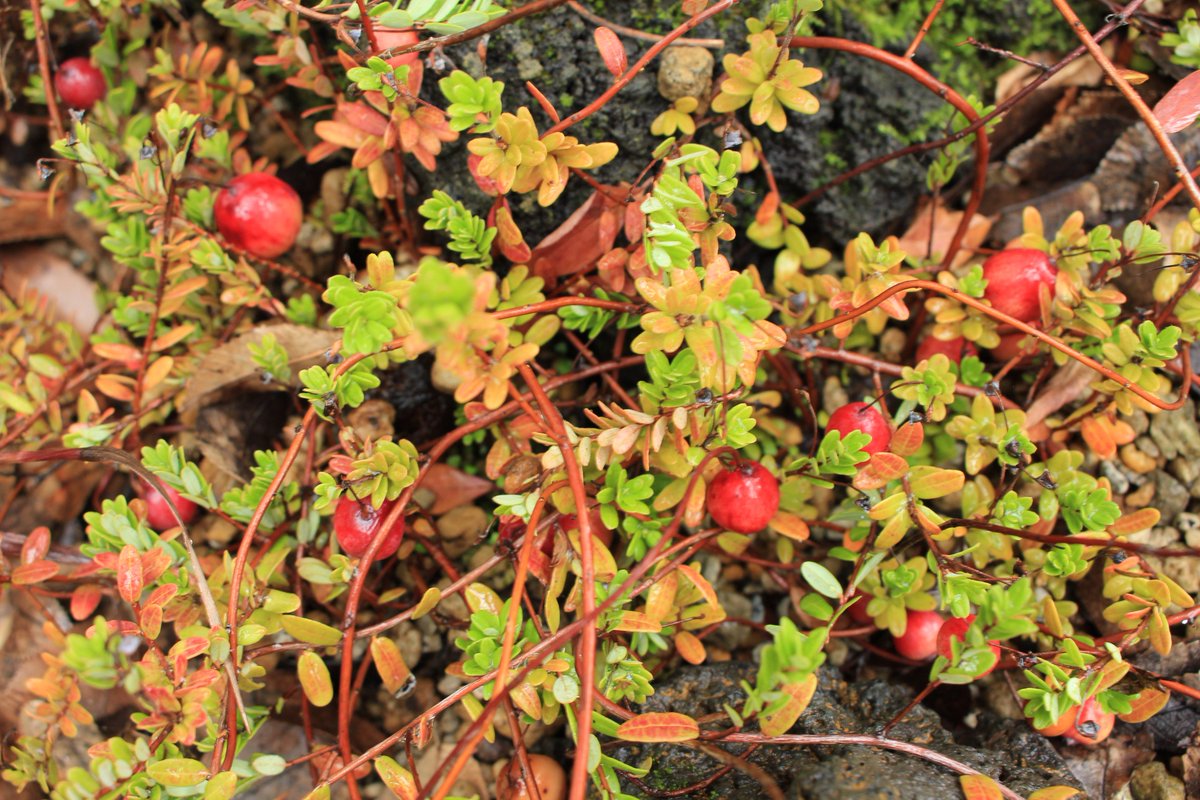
x: 612, y: 51
x: 659, y: 726
x: 314, y: 679
x: 396, y: 778
x: 178, y: 772
x: 310, y: 631
x: 1181, y: 105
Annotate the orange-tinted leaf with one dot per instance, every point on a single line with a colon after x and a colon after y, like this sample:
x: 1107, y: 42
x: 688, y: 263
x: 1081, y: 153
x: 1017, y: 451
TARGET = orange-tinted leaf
x: 429, y: 601
x: 1132, y: 76
x: 314, y: 678
x: 1148, y: 703
x: 979, y: 787
x: 36, y: 572
x: 637, y: 622
x: 780, y: 721
x: 396, y: 778
x: 1140, y: 520
x: 129, y: 574
x: 84, y: 600
x: 1180, y: 106
x: 158, y: 372
x: 150, y: 621
x: 790, y: 525
x: 659, y: 726
x: 907, y: 439
x: 697, y: 580
x: 612, y: 51
x: 661, y: 597
x: 118, y: 387
x: 395, y: 673
x: 37, y: 544
x: 879, y: 471
x: 690, y: 648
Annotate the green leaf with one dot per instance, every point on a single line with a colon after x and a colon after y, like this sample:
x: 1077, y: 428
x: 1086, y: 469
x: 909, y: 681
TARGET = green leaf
x: 821, y: 579
x: 309, y: 630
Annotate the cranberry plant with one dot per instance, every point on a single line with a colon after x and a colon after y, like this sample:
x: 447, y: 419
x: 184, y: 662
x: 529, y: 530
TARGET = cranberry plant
x: 642, y: 424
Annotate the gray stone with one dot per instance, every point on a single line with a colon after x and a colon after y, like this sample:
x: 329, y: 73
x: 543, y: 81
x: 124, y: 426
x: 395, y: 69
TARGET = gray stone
x: 1170, y: 496
x: 1176, y: 433
x: 1116, y: 476
x: 1153, y: 782
x: 732, y: 635
x: 1148, y: 446
x: 1188, y: 473
x: 1024, y: 760
x: 685, y: 72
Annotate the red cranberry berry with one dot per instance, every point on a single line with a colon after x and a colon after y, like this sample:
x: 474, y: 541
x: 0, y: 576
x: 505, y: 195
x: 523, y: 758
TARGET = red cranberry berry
x: 158, y: 512
x: 865, y: 418
x: 919, y: 640
x: 743, y: 498
x: 356, y: 523
x: 954, y: 349
x: 79, y: 83
x: 259, y: 213
x: 1015, y: 278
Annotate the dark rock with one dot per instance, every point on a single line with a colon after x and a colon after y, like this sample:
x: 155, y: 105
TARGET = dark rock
x: 1007, y: 750
x: 866, y: 109
x: 422, y: 412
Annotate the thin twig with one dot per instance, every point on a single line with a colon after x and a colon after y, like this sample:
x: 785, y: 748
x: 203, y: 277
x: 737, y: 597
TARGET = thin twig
x: 1156, y: 129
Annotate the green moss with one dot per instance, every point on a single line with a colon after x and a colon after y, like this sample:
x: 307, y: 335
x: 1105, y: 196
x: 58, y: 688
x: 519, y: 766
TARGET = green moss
x: 1021, y: 26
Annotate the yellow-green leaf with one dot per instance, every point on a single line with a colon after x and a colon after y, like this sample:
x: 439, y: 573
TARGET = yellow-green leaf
x: 396, y: 777
x: 310, y: 631
x: 177, y: 772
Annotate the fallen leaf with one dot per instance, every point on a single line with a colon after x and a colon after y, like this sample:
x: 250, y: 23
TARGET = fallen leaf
x: 231, y: 365
x: 1064, y: 386
x: 945, y: 223
x: 580, y: 241
x: 452, y: 487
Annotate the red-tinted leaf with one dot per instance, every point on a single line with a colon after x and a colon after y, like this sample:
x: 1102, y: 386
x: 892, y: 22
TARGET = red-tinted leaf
x: 581, y: 240
x: 612, y: 51
x: 162, y: 595
x: 84, y: 600
x: 37, y: 544
x: 661, y: 726
x: 1180, y: 106
x: 36, y: 572
x: 129, y: 574
x: 546, y: 105
x: 880, y: 470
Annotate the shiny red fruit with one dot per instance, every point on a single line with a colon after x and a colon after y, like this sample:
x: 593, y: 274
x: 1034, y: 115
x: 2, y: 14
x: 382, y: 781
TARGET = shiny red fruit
x: 1015, y: 278
x: 744, y: 498
x: 158, y: 513
x: 865, y: 418
x: 954, y: 349
x: 956, y: 628
x: 1097, y: 723
x: 79, y: 83
x: 356, y: 523
x: 919, y: 641
x: 259, y: 213
x: 858, y: 611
